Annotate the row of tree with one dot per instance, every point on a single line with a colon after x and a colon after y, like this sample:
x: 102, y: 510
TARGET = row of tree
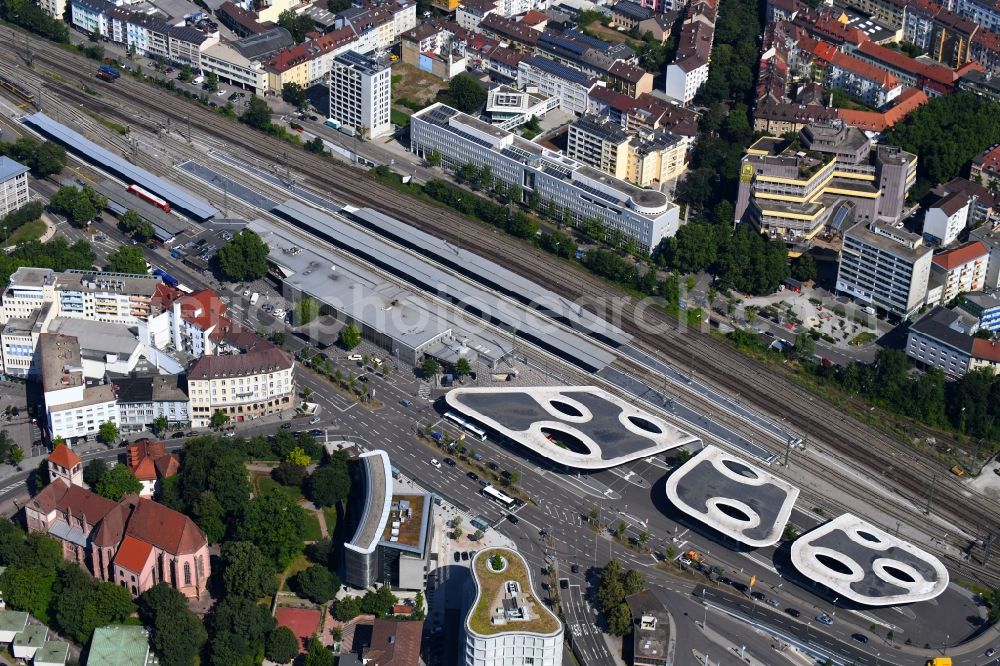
x: 244, y: 257
x: 615, y: 585
x: 44, y: 158
x: 80, y: 205
x: 31, y: 17
x: 58, y: 254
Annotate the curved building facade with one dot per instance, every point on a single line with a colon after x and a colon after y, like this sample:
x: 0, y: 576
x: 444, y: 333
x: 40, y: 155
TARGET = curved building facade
x: 507, y: 625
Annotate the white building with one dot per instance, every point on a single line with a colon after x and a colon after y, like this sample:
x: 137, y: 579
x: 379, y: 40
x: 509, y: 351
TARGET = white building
x: 230, y: 65
x: 13, y: 185
x: 74, y: 407
x: 360, y: 94
x: 570, y: 86
x: 495, y: 628
x: 640, y: 216
x: 958, y: 271
x: 947, y: 218
x: 471, y: 12
x: 142, y: 400
x: 689, y: 70
x: 946, y: 339
x: 885, y: 267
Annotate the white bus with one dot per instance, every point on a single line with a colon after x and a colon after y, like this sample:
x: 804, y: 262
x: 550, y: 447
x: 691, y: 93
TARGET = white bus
x: 500, y: 498
x: 475, y: 430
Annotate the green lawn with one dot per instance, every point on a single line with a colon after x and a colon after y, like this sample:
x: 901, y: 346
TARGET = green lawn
x: 300, y: 563
x: 266, y: 485
x: 26, y: 232
x: 312, y: 531
x: 399, y: 118
x: 330, y: 513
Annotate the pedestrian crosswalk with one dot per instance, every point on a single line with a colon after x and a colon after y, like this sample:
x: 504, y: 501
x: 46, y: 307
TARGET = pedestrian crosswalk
x: 424, y: 391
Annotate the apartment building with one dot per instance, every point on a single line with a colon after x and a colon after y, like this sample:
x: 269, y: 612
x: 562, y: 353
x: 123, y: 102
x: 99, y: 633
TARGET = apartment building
x: 839, y: 178
x: 873, y: 86
x: 689, y: 71
x: 958, y: 271
x: 946, y: 339
x: 645, y: 158
x: 637, y: 216
x: 985, y: 167
x: 885, y: 267
x: 779, y: 118
x: 570, y: 86
x: 360, y: 93
x: 243, y: 386
x: 143, y: 399
x: 985, y: 307
x: 13, y: 185
x: 472, y: 12
x: 946, y: 218
x: 983, y: 13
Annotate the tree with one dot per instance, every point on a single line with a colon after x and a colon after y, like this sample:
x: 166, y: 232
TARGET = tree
x: 219, y: 419
x: 593, y: 515
x: 804, y: 268
x: 297, y: 24
x: 83, y: 212
x: 378, y: 603
x: 317, y: 583
x: 212, y: 81
x: 176, y: 634
x: 186, y: 73
x: 118, y: 482
x: 315, y: 145
x: 294, y: 94
x: 16, y: 455
x: 805, y: 346
x: 245, y: 571
x: 208, y: 513
x: 28, y: 588
x: 462, y: 367
x: 347, y: 609
x: 328, y: 484
x: 257, y: 114
x: 434, y: 158
x: 127, y: 259
x: 160, y: 425
x: 282, y: 645
x: 620, y: 620
x: 48, y: 159
x: 275, y: 523
x: 289, y: 474
x: 83, y: 605
x: 108, y: 432
x: 318, y: 655
x: 306, y: 310
x: 429, y: 367
x: 633, y: 582
x: 239, y: 628
x: 131, y: 222
x: 350, y: 337
x: 466, y: 94
x: 93, y: 471
x: 244, y: 258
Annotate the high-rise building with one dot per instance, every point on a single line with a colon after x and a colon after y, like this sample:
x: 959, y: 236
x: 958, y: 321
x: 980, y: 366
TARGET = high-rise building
x: 885, y: 267
x: 507, y: 623
x: 360, y: 93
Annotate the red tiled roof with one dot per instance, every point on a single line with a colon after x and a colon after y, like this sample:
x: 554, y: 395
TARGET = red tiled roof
x: 64, y: 456
x: 310, y: 50
x: 883, y: 78
x: 168, y: 465
x: 145, y: 470
x: 165, y: 528
x: 986, y: 350
x: 905, y: 63
x: 302, y: 621
x: 989, y: 160
x: 77, y: 501
x: 873, y: 121
x: 533, y: 17
x: 258, y: 361
x: 203, y: 308
x: 133, y: 554
x: 962, y: 254
x: 394, y: 643
x: 618, y: 101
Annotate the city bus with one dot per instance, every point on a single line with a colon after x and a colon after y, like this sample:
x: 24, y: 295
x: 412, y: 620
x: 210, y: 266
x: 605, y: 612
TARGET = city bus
x: 500, y: 498
x: 479, y: 433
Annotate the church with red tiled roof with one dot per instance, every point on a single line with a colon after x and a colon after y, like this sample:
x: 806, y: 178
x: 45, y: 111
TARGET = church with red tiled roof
x: 135, y: 543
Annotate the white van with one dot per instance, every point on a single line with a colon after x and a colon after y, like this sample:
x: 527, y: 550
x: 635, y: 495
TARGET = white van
x: 254, y: 298
x: 198, y: 80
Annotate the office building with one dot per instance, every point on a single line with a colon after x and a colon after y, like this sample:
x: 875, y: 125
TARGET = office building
x: 13, y: 185
x: 985, y: 307
x: 392, y: 531
x: 637, y: 216
x: 243, y: 386
x: 75, y: 407
x: 506, y: 622
x: 884, y: 267
x: 360, y: 94
x: 831, y: 176
x: 552, y: 79
x: 645, y: 158
x: 946, y: 339
x: 958, y: 271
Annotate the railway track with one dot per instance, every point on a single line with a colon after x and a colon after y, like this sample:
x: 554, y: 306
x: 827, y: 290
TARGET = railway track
x: 725, y: 368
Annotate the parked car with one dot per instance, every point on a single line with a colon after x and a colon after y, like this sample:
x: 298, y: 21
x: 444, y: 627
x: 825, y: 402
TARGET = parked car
x: 314, y: 420
x: 177, y: 435
x: 575, y: 568
x: 759, y: 596
x: 458, y: 556
x: 355, y: 357
x: 465, y: 556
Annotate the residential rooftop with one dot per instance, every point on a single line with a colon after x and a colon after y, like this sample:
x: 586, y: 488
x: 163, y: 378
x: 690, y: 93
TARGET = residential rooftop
x: 62, y: 365
x: 120, y: 645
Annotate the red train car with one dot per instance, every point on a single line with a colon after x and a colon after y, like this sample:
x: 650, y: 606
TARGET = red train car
x: 148, y: 196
